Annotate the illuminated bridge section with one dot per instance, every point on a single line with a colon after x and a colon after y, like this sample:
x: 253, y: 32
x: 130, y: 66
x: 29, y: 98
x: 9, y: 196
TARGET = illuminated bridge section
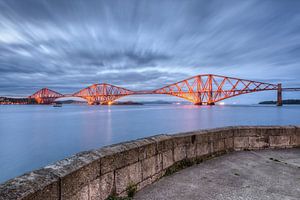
x: 201, y: 89
x: 209, y: 89
x: 102, y: 93
x: 45, y: 96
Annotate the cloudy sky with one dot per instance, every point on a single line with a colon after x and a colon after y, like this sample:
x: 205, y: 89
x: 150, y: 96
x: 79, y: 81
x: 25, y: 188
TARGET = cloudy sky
x: 67, y: 45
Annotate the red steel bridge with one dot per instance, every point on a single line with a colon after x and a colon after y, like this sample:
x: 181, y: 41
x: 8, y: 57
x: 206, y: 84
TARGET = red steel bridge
x: 206, y: 89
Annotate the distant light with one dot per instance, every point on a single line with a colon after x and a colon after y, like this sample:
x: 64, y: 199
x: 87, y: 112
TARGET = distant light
x: 222, y: 103
x: 109, y: 103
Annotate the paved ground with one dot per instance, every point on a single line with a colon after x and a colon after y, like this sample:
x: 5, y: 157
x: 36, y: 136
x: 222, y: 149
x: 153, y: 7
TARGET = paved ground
x: 266, y: 174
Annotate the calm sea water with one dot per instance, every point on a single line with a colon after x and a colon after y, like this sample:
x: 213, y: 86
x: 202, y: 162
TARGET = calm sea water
x: 32, y: 136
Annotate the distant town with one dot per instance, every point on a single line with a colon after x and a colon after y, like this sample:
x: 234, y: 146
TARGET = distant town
x: 287, y: 101
x: 22, y: 101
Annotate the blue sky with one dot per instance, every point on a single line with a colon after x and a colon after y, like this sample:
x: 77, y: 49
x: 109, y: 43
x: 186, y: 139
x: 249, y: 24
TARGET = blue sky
x: 68, y: 45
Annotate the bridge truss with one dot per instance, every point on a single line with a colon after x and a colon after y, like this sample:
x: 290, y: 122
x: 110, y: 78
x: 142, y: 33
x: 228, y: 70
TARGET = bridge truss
x: 209, y: 89
x: 45, y: 96
x: 201, y: 89
x: 102, y: 93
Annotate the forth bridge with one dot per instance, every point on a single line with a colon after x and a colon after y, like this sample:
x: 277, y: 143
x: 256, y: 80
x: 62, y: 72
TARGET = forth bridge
x: 205, y: 89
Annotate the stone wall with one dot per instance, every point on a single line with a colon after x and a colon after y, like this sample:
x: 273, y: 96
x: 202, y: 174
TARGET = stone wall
x: 110, y: 170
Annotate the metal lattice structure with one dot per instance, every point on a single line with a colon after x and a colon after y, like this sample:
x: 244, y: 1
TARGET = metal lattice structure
x: 102, y: 93
x: 45, y: 96
x: 209, y: 89
x: 202, y: 89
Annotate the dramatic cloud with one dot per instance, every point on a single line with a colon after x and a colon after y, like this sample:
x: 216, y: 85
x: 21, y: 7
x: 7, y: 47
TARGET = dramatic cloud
x: 142, y: 44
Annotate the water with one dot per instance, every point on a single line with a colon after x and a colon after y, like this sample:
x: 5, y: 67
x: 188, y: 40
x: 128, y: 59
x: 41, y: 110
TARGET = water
x: 32, y: 136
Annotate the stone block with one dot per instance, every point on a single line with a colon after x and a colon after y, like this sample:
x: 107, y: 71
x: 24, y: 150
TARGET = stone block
x: 167, y: 159
x: 108, y: 156
x: 259, y: 142
x: 295, y: 140
x: 203, y: 137
x: 150, y: 166
x: 45, y: 193
x: 182, y: 140
x: 279, y: 141
x: 218, y: 145
x: 227, y: 132
x: 289, y: 130
x: 39, y: 184
x: 273, y: 130
x: 229, y: 143
x: 179, y: 153
x: 126, y: 176
x: 245, y: 131
x: 241, y: 143
x: 148, y: 149
x: 215, y: 135
x: 127, y: 157
x: 159, y: 162
x: 106, y: 185
x: 94, y: 188
x: 126, y: 154
x: 203, y: 149
x: 82, y: 194
x: 163, y: 142
x: 191, y: 150
x: 297, y: 130
x: 102, y: 187
x: 277, y: 130
x: 76, y: 172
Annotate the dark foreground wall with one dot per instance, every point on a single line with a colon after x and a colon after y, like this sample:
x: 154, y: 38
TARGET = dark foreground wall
x: 110, y: 170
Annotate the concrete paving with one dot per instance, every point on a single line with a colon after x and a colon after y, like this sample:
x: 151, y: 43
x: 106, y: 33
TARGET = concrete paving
x: 264, y: 174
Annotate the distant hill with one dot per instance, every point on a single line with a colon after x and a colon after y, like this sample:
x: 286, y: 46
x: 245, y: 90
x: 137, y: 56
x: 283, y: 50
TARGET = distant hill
x: 156, y: 102
x: 126, y: 103
x: 287, y: 101
x: 70, y: 102
x: 165, y: 102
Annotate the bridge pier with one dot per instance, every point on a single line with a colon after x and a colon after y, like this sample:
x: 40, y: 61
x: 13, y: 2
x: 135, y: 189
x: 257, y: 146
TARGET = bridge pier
x: 48, y: 100
x: 208, y: 103
x: 279, y: 95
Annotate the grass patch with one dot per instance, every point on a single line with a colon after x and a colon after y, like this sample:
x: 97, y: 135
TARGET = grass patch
x: 189, y: 162
x: 130, y: 190
x: 179, y: 166
x: 113, y: 197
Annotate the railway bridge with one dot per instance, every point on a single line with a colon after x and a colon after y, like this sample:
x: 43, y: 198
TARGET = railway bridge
x: 205, y: 89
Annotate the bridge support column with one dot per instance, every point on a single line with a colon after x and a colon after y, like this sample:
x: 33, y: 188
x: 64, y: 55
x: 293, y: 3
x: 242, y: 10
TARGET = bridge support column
x: 198, y: 104
x: 47, y: 100
x: 210, y: 100
x: 279, y: 95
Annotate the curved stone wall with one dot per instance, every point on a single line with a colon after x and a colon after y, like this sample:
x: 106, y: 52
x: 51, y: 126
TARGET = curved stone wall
x: 97, y: 174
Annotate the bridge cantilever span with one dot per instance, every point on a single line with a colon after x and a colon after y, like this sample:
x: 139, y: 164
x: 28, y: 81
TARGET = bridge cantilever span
x: 209, y: 89
x: 201, y: 89
x: 45, y: 96
x: 102, y: 93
